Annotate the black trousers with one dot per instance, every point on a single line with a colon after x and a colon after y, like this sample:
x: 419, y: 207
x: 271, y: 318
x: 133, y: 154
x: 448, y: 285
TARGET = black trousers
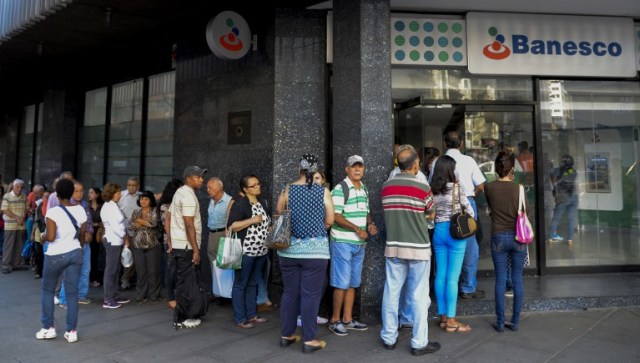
x: 147, y: 264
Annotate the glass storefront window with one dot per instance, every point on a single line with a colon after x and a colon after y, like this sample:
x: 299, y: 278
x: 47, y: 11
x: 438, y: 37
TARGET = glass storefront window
x: 590, y: 148
x: 159, y: 138
x: 457, y: 84
x: 91, y: 140
x: 125, y: 131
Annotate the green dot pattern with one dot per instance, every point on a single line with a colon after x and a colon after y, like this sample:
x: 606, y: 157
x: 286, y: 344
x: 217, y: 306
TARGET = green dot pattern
x: 425, y: 41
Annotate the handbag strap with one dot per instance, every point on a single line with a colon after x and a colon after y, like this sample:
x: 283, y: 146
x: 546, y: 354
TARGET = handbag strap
x: 521, y: 206
x: 73, y: 220
x: 286, y: 197
x: 453, y: 198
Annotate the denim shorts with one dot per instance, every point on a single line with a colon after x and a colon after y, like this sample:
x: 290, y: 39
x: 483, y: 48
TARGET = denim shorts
x: 346, y: 264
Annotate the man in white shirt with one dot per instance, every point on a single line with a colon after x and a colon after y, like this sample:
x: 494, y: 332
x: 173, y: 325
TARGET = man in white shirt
x: 472, y: 182
x: 128, y: 204
x: 186, y: 233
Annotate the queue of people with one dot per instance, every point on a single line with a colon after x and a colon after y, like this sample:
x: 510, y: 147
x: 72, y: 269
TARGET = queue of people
x: 83, y: 241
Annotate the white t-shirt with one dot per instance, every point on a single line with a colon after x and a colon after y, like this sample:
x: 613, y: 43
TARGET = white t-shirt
x: 184, y: 204
x: 468, y: 172
x: 65, y: 232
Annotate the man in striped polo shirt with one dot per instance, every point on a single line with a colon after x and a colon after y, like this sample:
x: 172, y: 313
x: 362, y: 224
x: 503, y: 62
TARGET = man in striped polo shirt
x: 352, y: 226
x: 407, y: 203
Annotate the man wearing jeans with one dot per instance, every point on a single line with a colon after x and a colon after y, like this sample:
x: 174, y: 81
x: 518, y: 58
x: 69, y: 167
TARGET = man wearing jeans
x: 348, y: 241
x: 407, y: 203
x: 472, y: 182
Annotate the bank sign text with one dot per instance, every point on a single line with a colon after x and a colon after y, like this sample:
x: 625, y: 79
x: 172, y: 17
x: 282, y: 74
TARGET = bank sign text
x: 531, y: 44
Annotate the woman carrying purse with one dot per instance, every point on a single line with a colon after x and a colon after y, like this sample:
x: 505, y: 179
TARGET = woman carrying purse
x: 503, y: 199
x: 448, y: 250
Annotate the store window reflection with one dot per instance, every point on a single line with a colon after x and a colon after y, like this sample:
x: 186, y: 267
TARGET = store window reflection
x: 590, y: 149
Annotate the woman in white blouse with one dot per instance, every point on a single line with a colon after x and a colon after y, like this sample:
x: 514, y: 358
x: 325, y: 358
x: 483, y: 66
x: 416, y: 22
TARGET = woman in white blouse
x: 65, y: 233
x: 114, y: 237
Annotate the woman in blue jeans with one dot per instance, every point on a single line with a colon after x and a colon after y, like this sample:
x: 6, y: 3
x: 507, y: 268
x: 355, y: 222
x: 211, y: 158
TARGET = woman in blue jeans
x: 66, y: 226
x: 249, y: 217
x: 448, y: 198
x: 503, y: 198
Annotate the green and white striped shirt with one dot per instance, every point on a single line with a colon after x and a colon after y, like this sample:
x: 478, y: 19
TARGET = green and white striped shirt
x: 355, y: 210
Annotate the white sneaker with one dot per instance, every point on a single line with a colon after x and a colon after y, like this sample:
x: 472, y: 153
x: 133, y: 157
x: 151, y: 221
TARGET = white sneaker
x: 71, y: 336
x: 56, y: 301
x: 46, y: 333
x: 191, y: 323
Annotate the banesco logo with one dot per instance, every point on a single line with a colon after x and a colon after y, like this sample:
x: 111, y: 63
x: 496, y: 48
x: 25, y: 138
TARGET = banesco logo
x: 522, y: 45
x: 496, y: 50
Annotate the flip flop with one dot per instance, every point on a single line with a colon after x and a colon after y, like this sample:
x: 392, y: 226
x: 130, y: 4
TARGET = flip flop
x: 460, y: 328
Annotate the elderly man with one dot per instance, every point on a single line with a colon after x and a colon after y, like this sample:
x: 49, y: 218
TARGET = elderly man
x: 14, y: 212
x: 407, y: 202
x: 217, y: 217
x: 186, y: 232
x: 128, y: 204
x: 353, y: 225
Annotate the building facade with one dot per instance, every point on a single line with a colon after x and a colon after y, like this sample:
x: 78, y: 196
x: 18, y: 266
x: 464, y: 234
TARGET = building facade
x: 137, y: 89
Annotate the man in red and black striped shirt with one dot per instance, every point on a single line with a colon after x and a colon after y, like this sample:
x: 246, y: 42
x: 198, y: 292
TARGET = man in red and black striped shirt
x: 407, y: 203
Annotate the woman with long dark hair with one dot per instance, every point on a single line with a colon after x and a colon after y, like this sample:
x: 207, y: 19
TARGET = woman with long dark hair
x: 448, y: 199
x: 503, y: 199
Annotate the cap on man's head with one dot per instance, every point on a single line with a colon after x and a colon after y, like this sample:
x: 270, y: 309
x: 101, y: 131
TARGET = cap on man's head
x: 193, y: 171
x: 355, y: 159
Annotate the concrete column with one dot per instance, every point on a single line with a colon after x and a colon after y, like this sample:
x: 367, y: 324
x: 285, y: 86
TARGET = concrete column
x: 362, y: 120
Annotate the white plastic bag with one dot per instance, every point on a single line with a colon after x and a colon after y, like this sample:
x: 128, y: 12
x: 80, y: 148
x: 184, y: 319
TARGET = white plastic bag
x: 126, y: 257
x: 229, y: 252
x: 222, y: 281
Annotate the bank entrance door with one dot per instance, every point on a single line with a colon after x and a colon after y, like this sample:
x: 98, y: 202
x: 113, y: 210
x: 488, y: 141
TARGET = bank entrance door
x: 487, y: 129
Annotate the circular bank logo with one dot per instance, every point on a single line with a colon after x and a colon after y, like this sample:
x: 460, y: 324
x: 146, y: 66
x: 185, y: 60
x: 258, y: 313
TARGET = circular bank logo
x: 228, y: 35
x: 496, y: 50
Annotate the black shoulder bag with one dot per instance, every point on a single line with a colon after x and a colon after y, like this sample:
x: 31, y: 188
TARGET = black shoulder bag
x: 462, y: 224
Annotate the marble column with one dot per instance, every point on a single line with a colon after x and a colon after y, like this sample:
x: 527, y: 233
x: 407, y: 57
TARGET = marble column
x: 362, y: 120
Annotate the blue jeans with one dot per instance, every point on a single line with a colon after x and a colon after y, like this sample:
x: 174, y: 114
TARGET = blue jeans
x: 263, y: 284
x: 468, y: 280
x: 68, y: 265
x: 83, y: 280
x: 245, y: 288
x: 415, y: 275
x: 571, y: 207
x: 449, y: 256
x: 504, y: 246
x: 302, y: 279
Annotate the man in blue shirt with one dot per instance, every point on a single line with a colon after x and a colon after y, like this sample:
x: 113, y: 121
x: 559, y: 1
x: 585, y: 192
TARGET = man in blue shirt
x: 217, y: 220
